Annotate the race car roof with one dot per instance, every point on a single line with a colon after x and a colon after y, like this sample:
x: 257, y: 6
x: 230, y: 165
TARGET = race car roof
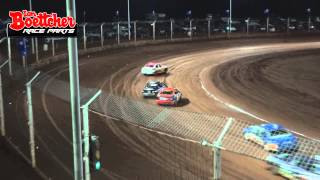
x: 151, y: 64
x: 153, y: 82
x: 271, y: 126
x: 168, y: 89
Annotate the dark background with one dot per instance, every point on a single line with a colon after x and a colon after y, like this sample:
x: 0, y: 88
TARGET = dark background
x: 104, y: 10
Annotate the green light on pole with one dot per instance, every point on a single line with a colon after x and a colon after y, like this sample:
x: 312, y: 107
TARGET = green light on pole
x: 91, y: 143
x: 98, y: 166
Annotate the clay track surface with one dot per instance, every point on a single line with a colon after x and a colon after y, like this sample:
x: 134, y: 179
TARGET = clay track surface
x: 286, y: 87
x: 130, y: 151
x: 236, y: 74
x: 233, y: 76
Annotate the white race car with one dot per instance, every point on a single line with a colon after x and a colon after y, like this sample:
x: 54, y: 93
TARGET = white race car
x: 153, y: 68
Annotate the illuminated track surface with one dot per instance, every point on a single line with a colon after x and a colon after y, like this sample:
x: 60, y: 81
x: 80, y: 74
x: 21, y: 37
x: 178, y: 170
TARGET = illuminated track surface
x: 205, y: 85
x: 238, y: 72
x: 194, y: 74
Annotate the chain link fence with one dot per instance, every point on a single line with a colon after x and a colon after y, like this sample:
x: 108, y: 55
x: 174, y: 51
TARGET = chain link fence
x: 104, y: 34
x: 167, y: 142
x: 164, y: 131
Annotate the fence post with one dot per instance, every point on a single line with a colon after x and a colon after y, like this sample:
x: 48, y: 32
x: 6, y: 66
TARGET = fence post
x: 135, y: 30
x: 309, y: 23
x: 154, y: 30
x: 30, y: 119
x: 3, y: 130
x: 2, y: 121
x: 288, y: 25
x: 32, y: 46
x: 24, y: 64
x: 9, y: 56
x: 171, y: 29
x: 53, y: 50
x: 248, y: 23
x: 190, y: 24
x: 9, y: 51
x: 209, y: 28
x: 228, y: 30
x: 118, y: 33
x: 267, y: 24
x: 216, y: 150
x: 37, y: 50
x: 86, y: 135
x: 84, y: 36
x: 101, y: 34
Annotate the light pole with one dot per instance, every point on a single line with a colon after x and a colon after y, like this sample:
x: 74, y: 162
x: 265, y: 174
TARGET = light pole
x: 135, y: 31
x: 117, y: 16
x: 190, y: 24
x: 189, y: 14
x: 154, y: 30
x: 209, y: 27
x: 309, y: 18
x: 118, y: 27
x: 266, y: 12
x: 86, y: 135
x: 228, y: 27
x: 288, y: 24
x: 129, y: 33
x: 84, y: 16
x: 171, y: 29
x: 230, y: 16
x: 118, y: 32
x: 101, y: 34
x: 189, y: 17
x: 154, y: 17
x: 75, y: 97
x: 248, y: 25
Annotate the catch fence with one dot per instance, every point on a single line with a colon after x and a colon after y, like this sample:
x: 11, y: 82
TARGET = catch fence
x: 95, y: 35
x: 167, y: 139
x: 136, y: 136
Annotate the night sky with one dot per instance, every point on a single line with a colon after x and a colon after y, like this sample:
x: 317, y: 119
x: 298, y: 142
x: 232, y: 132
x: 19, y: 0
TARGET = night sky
x: 104, y: 10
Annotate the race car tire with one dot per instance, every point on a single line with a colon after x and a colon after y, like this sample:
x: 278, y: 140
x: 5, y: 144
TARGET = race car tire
x: 274, y: 171
x: 265, y: 147
x: 246, y: 137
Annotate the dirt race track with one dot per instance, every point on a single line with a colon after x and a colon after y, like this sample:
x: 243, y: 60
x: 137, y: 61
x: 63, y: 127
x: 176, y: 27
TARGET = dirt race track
x: 273, y: 79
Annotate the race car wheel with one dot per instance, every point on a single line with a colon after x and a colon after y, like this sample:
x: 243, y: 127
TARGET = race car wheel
x: 270, y: 149
x: 274, y: 171
x: 165, y: 70
x: 247, y: 136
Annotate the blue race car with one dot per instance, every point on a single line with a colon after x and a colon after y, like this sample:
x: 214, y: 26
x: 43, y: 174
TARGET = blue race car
x: 294, y: 173
x: 273, y: 137
x: 291, y: 159
x: 296, y: 166
x: 152, y: 88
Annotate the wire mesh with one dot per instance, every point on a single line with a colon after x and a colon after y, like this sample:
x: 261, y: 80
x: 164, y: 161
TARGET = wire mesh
x: 260, y: 141
x: 279, y: 147
x: 190, y: 125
